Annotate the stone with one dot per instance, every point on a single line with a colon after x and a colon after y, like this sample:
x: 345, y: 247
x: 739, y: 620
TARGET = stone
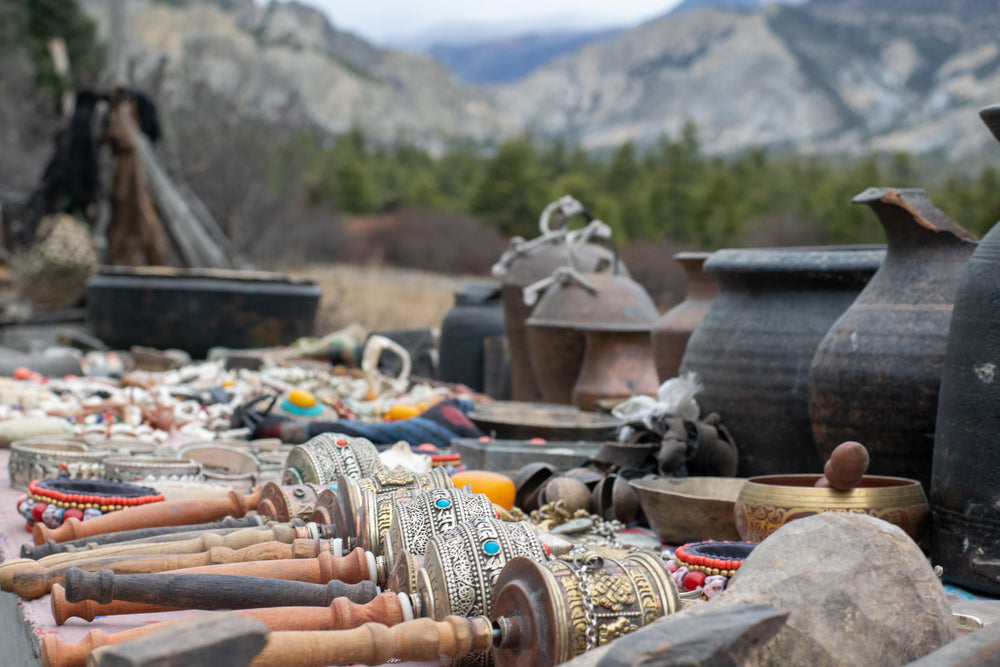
x: 858, y: 591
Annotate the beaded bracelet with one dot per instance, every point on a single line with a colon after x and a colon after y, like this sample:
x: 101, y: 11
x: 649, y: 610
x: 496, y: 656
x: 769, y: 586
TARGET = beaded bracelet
x: 708, y: 565
x: 52, y: 501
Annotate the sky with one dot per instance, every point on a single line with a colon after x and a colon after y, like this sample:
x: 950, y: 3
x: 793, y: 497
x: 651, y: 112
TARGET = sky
x: 395, y: 22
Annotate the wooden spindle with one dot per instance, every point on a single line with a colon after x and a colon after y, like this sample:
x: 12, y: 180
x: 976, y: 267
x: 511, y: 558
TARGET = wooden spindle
x: 342, y: 614
x: 209, y: 591
x: 350, y: 569
x: 375, y: 644
x: 239, y: 539
x: 33, y: 580
x: 172, y: 513
x: 165, y: 533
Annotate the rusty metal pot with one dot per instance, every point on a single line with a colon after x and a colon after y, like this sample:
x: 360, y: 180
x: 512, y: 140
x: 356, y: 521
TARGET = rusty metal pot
x: 526, y: 262
x: 615, y: 315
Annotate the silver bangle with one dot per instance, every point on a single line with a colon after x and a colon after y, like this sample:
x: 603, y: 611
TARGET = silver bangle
x: 45, y: 458
x: 133, y: 468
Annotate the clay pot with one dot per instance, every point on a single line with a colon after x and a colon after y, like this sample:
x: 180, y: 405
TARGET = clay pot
x: 672, y: 330
x: 753, y: 348
x: 965, y: 486
x: 876, y: 373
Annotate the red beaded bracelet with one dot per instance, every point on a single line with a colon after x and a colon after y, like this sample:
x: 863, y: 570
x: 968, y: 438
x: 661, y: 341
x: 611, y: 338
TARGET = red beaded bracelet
x: 713, y: 557
x: 41, y: 492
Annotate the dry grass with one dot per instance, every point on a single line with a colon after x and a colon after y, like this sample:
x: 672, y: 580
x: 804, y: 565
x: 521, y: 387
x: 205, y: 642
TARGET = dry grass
x: 382, y: 298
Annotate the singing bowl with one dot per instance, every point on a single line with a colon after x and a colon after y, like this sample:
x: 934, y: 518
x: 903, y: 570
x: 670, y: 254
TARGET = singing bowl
x: 766, y: 503
x: 689, y: 509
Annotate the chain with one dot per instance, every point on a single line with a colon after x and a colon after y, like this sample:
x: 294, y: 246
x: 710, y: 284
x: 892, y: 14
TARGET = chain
x: 582, y: 566
x: 609, y: 531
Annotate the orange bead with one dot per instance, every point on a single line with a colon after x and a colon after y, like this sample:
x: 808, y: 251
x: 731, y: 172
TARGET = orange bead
x: 498, y: 488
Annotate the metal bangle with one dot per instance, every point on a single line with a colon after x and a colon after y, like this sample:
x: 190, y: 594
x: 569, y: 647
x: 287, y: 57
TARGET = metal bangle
x: 41, y: 458
x: 132, y: 468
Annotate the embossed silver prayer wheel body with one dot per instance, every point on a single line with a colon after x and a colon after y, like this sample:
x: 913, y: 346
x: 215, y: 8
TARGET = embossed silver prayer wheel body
x: 322, y: 459
x: 461, y: 565
x: 347, y: 496
x: 428, y: 514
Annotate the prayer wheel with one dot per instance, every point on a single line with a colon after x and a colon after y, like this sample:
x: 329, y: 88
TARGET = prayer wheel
x: 284, y: 503
x: 323, y: 458
x: 343, y: 507
x: 553, y: 611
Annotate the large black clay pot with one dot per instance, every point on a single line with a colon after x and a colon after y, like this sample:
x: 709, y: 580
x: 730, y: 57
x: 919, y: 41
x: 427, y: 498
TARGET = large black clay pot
x: 965, y: 485
x: 753, y: 348
x: 876, y: 374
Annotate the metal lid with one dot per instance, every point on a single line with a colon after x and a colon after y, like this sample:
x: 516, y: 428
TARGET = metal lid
x: 595, y: 302
x: 539, y: 261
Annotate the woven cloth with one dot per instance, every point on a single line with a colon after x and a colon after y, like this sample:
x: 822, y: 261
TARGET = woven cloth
x: 438, y: 426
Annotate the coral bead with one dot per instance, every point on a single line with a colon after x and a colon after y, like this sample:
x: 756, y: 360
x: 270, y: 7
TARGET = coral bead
x: 693, y: 580
x: 498, y: 488
x: 73, y: 513
x: 37, y: 510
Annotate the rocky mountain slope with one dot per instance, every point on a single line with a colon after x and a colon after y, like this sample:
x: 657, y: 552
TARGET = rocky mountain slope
x: 286, y: 56
x: 828, y: 76
x: 511, y: 58
x: 825, y: 76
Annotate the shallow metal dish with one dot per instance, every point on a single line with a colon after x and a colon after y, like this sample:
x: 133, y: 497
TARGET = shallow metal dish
x: 690, y: 509
x: 517, y: 420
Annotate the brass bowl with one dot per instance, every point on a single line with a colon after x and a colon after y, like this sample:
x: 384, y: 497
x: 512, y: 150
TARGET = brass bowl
x: 689, y: 509
x: 768, y: 502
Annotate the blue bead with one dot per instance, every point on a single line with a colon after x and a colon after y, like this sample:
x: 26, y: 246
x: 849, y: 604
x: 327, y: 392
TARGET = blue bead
x: 491, y: 548
x: 443, y: 503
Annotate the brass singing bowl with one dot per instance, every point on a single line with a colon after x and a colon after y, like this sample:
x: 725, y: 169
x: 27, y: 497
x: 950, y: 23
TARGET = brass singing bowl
x: 768, y: 502
x: 689, y: 509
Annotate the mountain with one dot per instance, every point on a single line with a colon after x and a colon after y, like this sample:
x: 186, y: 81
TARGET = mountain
x: 282, y: 56
x: 508, y: 59
x: 739, y: 5
x: 827, y: 76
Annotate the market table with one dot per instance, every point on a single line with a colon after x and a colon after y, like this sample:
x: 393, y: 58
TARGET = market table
x: 24, y: 622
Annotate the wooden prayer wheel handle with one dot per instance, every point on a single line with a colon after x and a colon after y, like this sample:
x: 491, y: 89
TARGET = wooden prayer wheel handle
x: 209, y: 591
x: 34, y: 580
x: 375, y: 644
x: 239, y: 539
x: 350, y: 569
x: 342, y: 614
x: 173, y: 513
x: 50, y: 547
